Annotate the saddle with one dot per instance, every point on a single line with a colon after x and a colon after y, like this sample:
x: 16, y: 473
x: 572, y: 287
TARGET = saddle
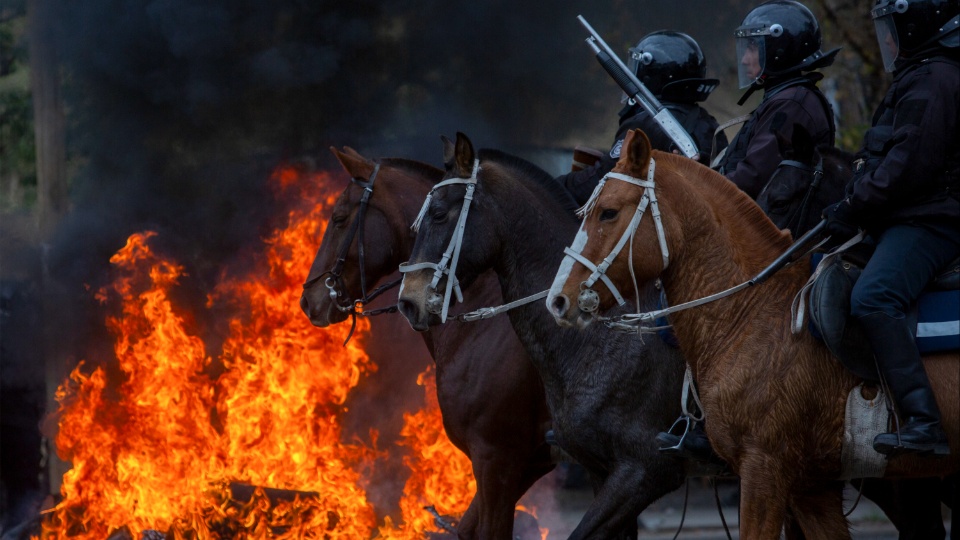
x: 934, y: 317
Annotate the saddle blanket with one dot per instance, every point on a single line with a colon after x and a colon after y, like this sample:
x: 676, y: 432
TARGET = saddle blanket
x: 938, y: 321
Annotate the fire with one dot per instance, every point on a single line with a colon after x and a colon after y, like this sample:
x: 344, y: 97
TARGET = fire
x: 441, y: 476
x: 169, y: 439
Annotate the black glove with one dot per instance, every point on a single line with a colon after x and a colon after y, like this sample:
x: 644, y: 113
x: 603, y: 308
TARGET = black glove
x: 841, y: 222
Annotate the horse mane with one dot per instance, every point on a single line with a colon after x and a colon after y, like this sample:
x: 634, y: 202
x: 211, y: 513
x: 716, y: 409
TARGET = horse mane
x: 720, y: 187
x: 417, y: 168
x: 533, y: 173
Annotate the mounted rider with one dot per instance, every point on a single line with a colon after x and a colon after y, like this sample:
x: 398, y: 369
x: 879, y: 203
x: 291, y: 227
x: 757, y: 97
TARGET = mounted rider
x: 778, y: 47
x: 672, y: 66
x: 905, y: 194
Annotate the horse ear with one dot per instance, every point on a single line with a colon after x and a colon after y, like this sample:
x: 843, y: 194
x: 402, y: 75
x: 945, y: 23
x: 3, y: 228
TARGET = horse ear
x: 352, y: 152
x: 463, y: 156
x: 448, y: 152
x: 352, y: 162
x: 636, y: 149
x: 803, y: 145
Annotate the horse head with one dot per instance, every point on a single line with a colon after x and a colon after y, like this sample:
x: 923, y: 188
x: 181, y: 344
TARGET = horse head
x: 622, y: 239
x: 361, y: 244
x: 446, y: 249
x: 807, y: 180
x: 504, y: 197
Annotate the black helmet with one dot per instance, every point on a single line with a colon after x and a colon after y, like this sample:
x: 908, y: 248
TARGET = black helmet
x: 908, y: 27
x: 777, y: 38
x: 671, y: 65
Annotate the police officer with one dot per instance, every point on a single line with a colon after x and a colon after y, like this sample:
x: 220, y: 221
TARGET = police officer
x: 905, y: 194
x: 778, y: 47
x: 672, y: 66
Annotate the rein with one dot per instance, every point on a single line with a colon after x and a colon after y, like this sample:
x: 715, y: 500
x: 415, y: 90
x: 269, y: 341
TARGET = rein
x: 589, y: 300
x: 631, y: 322
x: 448, y: 262
x: 334, y: 276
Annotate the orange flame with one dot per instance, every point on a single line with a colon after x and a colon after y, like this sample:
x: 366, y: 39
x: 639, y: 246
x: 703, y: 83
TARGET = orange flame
x: 157, y: 444
x: 442, y: 475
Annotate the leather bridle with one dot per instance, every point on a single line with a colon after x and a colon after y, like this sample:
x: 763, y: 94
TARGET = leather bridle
x: 333, y: 278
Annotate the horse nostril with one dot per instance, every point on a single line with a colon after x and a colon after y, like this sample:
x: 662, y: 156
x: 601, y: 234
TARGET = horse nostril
x: 407, y: 308
x: 560, y: 305
x: 305, y: 304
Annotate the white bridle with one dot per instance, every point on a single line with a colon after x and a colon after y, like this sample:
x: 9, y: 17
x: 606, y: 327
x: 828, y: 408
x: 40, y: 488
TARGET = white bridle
x: 448, y: 262
x: 589, y: 300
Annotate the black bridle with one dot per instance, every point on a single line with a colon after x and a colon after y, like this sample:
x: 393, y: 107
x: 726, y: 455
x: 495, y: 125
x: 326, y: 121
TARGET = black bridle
x: 334, y: 277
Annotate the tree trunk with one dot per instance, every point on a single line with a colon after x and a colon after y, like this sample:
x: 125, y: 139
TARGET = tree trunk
x: 49, y: 129
x: 48, y: 119
x: 862, y: 82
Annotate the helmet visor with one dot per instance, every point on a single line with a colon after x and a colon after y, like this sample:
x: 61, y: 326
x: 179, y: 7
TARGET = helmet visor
x: 889, y: 42
x: 751, y: 57
x: 636, y: 59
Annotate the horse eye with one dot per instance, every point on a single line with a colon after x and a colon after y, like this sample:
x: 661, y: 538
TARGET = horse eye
x: 608, y: 214
x: 438, y: 215
x: 338, y: 221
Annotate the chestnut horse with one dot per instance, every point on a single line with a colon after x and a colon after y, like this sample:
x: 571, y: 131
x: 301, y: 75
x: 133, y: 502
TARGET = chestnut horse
x: 490, y: 394
x: 774, y: 401
x: 609, y: 394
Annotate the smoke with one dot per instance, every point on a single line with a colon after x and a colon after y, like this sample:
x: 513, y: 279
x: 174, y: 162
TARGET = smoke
x: 179, y: 110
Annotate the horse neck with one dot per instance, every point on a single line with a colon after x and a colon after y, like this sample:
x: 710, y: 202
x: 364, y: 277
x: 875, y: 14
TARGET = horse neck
x: 403, y: 197
x: 532, y: 233
x: 726, y: 241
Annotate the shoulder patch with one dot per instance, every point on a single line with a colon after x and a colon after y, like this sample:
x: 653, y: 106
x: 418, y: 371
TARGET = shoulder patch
x: 615, y: 151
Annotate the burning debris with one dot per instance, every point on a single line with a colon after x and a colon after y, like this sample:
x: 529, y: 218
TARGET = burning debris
x: 165, y: 444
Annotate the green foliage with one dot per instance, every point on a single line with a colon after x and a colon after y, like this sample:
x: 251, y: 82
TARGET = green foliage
x: 18, y: 170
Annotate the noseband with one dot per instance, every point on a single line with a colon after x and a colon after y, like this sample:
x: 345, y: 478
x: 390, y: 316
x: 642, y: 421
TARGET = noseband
x: 334, y: 278
x: 589, y: 300
x: 448, y: 262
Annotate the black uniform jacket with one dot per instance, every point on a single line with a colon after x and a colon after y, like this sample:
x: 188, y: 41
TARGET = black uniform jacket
x: 754, y: 153
x: 911, y: 170
x: 695, y: 119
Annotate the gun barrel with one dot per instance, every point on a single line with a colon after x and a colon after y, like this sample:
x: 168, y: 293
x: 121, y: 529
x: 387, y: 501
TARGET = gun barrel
x: 630, y: 84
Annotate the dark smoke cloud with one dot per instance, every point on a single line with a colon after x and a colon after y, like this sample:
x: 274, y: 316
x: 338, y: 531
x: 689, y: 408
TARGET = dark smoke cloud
x: 178, y: 111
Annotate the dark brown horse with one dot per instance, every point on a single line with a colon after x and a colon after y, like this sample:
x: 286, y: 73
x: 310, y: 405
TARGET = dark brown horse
x: 609, y: 394
x: 490, y: 395
x: 774, y: 400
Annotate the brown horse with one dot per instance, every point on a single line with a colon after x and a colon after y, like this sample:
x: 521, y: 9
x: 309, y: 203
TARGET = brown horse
x: 490, y: 396
x: 774, y: 400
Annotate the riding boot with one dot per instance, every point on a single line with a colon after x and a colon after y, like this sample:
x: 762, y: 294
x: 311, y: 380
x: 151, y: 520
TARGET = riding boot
x: 695, y: 445
x: 899, y: 362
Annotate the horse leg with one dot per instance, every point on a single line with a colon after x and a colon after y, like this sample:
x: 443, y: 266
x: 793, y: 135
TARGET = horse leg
x: 496, y: 491
x: 467, y: 526
x: 501, y: 481
x: 625, y: 492
x: 763, y: 501
x: 820, y: 513
x: 911, y: 504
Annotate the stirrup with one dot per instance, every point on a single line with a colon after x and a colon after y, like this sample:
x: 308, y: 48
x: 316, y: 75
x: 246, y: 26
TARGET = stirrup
x: 675, y: 449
